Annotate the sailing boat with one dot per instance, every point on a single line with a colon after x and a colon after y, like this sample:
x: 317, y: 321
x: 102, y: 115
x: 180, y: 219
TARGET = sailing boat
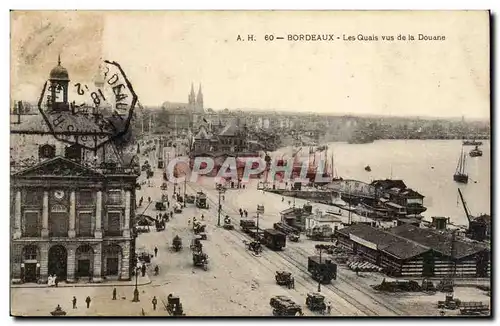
x: 460, y: 175
x: 335, y: 176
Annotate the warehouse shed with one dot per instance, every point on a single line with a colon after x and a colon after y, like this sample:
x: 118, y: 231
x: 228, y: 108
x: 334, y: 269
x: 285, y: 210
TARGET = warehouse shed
x: 411, y: 251
x: 471, y: 259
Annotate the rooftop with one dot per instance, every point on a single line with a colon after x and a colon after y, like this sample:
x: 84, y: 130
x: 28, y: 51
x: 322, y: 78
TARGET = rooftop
x: 385, y: 241
x: 439, y: 241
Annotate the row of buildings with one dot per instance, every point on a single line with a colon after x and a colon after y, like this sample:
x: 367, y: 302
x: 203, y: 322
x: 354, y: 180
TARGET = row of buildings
x: 72, y: 208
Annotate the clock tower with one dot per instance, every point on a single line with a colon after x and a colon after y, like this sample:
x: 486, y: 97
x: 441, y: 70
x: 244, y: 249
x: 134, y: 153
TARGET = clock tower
x: 59, y: 80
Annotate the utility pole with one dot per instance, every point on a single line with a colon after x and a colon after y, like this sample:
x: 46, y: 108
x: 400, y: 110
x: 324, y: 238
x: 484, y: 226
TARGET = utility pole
x: 221, y: 191
x: 319, y: 247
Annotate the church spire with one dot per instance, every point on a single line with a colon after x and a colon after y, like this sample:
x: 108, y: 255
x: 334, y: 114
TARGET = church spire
x: 199, y: 99
x: 192, y: 97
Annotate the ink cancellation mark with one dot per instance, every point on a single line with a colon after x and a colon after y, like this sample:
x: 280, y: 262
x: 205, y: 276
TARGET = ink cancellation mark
x: 99, y: 113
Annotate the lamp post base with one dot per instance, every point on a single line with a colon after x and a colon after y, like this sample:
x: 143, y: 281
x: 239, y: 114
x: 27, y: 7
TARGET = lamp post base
x: 136, y: 296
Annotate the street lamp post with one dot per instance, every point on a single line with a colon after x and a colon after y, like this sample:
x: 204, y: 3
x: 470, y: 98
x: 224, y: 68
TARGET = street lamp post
x: 221, y: 191
x: 136, y: 290
x: 185, y: 184
x: 320, y: 248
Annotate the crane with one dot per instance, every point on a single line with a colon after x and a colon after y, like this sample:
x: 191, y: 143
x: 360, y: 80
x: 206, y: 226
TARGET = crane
x: 466, y: 209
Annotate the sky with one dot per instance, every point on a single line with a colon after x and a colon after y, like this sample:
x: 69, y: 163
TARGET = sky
x: 162, y: 53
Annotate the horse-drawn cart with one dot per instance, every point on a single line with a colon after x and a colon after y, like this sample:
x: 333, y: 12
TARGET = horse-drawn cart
x: 190, y: 199
x: 177, y: 243
x: 253, y: 246
x: 196, y: 243
x: 200, y: 259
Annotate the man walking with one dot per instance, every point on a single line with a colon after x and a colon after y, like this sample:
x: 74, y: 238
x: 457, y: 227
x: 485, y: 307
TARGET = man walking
x: 114, y: 293
x: 156, y: 251
x: 74, y: 302
x: 154, y: 302
x: 88, y: 302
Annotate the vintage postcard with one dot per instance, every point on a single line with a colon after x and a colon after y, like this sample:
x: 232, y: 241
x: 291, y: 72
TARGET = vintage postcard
x: 250, y: 163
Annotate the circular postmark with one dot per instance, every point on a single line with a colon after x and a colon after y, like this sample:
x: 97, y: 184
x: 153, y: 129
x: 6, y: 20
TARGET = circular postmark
x: 89, y: 114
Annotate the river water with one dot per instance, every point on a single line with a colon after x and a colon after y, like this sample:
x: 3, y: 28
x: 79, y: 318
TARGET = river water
x: 426, y: 166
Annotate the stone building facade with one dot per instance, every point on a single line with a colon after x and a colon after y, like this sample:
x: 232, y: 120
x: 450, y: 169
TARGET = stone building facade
x: 72, y: 209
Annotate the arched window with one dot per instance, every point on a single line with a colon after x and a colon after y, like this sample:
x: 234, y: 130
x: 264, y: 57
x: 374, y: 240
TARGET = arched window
x: 46, y: 151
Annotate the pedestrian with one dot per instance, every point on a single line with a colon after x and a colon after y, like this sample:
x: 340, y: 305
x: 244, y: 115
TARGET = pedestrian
x: 154, y: 302
x: 246, y: 213
x: 282, y: 199
x: 289, y: 202
x: 171, y: 214
x: 88, y: 302
x: 329, y: 307
x: 168, y: 204
x: 156, y: 251
x: 143, y: 270
x: 157, y: 270
x: 357, y: 271
x: 56, y: 281
x: 74, y: 302
x: 241, y: 214
x: 223, y: 197
x: 114, y: 293
x: 202, y: 217
x: 189, y: 222
x: 149, y: 199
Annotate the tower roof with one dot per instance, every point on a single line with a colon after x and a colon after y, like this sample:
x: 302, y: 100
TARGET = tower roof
x: 59, y: 72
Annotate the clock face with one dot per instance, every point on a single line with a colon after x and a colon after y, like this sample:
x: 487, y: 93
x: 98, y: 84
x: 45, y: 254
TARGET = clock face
x: 59, y: 194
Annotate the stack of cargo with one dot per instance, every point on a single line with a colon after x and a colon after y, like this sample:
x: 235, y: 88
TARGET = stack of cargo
x: 364, y: 266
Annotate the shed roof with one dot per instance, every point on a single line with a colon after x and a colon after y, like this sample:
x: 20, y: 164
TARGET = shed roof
x: 388, y: 242
x: 437, y: 240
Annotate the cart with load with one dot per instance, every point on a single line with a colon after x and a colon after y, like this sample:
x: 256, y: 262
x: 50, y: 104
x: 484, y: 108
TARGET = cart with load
x: 160, y: 206
x: 160, y: 225
x: 316, y: 302
x: 190, y: 199
x: 322, y: 270
x: 284, y: 306
x: 174, y: 305
x: 253, y: 246
x: 473, y: 308
x: 177, y: 243
x: 144, y: 257
x: 201, y: 200
x: 227, y: 223
x: 283, y: 278
x: 198, y: 227
x: 200, y: 259
x: 196, y: 243
x: 177, y: 208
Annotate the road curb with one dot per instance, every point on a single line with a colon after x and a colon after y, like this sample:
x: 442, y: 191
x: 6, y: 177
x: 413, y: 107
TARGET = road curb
x: 88, y: 285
